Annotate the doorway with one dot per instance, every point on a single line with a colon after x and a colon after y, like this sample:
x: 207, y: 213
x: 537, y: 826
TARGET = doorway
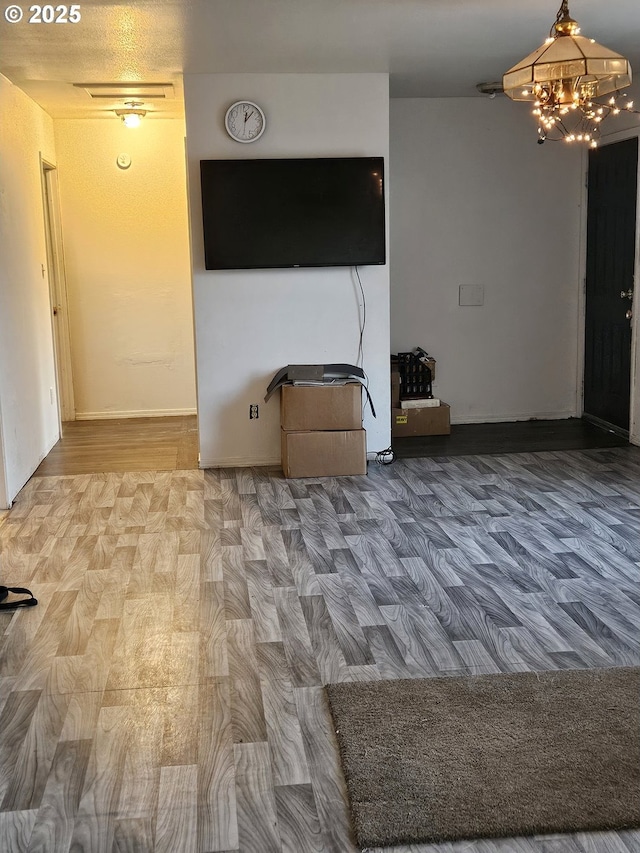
x: 611, y: 242
x: 58, y: 293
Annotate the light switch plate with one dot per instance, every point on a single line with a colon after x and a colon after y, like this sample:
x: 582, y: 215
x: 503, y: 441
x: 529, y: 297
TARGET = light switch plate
x: 471, y: 294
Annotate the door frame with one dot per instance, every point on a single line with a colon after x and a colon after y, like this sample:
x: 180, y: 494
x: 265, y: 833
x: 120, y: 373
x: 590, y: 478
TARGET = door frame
x: 634, y: 390
x: 58, y: 296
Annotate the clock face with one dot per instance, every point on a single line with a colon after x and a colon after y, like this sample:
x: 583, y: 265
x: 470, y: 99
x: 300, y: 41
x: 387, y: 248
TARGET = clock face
x: 245, y: 121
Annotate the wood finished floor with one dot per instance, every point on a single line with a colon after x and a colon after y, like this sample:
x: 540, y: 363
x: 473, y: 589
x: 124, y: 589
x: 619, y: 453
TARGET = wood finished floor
x: 510, y: 437
x: 166, y: 694
x: 124, y: 444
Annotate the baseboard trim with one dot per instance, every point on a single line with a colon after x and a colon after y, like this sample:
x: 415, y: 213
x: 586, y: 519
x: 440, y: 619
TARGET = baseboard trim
x: 623, y: 433
x: 142, y: 413
x: 510, y: 418
x: 239, y: 462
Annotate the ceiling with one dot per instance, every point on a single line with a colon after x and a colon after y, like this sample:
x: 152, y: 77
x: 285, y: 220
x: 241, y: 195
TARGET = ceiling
x: 430, y: 48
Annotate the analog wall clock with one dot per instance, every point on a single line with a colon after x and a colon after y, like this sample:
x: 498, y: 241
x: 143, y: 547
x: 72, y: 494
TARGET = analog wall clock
x: 245, y: 121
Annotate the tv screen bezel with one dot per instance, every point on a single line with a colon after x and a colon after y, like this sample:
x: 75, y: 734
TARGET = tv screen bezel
x: 377, y: 256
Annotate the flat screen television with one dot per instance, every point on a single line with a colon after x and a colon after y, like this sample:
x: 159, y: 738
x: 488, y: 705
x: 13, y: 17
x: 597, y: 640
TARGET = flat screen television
x: 308, y: 212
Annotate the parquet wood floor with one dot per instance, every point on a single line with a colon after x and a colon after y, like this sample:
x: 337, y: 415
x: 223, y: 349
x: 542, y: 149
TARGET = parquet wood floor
x: 166, y: 694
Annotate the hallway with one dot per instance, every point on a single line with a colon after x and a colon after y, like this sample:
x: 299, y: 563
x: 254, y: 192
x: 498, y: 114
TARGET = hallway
x: 126, y: 444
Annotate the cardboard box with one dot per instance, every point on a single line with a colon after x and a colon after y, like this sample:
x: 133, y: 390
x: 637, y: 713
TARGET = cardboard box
x: 334, y: 453
x: 321, y: 407
x: 430, y: 421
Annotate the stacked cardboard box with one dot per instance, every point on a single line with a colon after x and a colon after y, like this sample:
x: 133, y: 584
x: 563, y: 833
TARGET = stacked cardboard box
x: 321, y: 430
x: 427, y: 420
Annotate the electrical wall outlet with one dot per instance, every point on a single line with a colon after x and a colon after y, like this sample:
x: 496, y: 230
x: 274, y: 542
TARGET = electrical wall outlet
x: 253, y: 411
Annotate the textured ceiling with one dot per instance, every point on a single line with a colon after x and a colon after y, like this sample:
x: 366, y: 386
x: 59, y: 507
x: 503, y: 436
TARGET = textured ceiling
x: 430, y: 48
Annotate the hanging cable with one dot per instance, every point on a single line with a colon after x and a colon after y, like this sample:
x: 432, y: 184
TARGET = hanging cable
x: 360, y: 358
x: 362, y: 321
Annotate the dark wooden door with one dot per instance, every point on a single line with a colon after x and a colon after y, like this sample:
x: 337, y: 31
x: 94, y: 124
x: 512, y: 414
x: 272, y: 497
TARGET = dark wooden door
x: 611, y: 234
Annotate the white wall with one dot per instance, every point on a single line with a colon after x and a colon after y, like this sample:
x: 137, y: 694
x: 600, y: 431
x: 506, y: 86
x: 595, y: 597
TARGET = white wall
x: 126, y: 243
x: 250, y: 323
x: 475, y: 200
x: 27, y: 373
x: 4, y: 497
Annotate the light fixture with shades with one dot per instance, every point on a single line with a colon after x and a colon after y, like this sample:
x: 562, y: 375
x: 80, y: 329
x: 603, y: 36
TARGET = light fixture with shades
x: 131, y: 115
x: 566, y: 78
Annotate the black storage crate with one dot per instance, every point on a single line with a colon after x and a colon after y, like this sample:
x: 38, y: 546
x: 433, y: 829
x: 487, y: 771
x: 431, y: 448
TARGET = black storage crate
x: 416, y: 377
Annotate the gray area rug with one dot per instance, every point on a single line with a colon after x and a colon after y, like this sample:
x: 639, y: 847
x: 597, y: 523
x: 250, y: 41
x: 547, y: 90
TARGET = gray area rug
x: 490, y: 756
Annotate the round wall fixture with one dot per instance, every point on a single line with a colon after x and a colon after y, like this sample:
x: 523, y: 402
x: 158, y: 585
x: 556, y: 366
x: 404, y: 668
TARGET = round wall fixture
x: 245, y: 121
x: 123, y: 161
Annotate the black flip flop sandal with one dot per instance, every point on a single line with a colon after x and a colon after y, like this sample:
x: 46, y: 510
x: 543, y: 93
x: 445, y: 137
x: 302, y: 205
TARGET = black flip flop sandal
x: 23, y: 602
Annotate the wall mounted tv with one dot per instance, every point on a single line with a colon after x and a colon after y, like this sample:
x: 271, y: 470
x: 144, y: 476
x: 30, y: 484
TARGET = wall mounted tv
x: 311, y: 212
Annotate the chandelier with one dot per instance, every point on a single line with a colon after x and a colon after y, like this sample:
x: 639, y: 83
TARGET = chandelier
x: 567, y: 78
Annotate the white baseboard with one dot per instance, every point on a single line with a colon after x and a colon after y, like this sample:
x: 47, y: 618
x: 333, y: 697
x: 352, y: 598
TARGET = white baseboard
x: 143, y: 413
x: 524, y: 416
x: 239, y: 462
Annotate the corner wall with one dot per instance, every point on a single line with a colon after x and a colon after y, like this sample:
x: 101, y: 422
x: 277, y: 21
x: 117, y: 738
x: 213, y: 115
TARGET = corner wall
x: 475, y: 201
x: 126, y: 245
x: 27, y: 372
x: 250, y: 323
x: 4, y: 499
